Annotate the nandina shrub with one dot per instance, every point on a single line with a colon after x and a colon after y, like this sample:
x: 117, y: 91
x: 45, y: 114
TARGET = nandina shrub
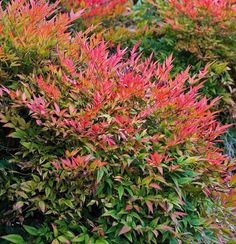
x: 142, y: 24
x: 206, y: 28
x: 97, y: 12
x: 110, y: 18
x: 113, y: 147
x: 28, y: 33
x: 229, y: 196
x: 199, y: 32
x: 120, y: 21
x: 138, y: 24
x: 129, y: 156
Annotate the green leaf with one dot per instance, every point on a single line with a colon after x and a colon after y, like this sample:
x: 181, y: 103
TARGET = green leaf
x: 101, y: 241
x: 55, y: 242
x: 31, y: 230
x: 26, y: 144
x: 129, y: 237
x: 62, y: 239
x: 195, y: 221
x: 100, y: 175
x: 174, y: 241
x: 42, y: 206
x: 47, y: 191
x: 55, y: 230
x: 78, y: 239
x: 120, y: 191
x: 69, y: 203
x: 18, y: 134
x: 17, y: 239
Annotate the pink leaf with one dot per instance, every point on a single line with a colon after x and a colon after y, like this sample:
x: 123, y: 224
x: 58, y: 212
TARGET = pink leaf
x: 156, y: 186
x: 124, y: 230
x: 150, y: 206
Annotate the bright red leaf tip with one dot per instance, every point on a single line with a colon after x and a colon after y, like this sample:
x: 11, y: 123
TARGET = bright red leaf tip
x: 155, y: 159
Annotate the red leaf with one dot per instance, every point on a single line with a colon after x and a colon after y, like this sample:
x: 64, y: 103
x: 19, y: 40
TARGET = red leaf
x: 150, y: 206
x: 156, y: 186
x: 124, y: 230
x: 166, y: 228
x: 155, y: 159
x: 128, y: 207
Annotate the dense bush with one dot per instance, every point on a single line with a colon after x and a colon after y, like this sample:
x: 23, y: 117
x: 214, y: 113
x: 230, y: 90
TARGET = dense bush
x: 99, y: 13
x: 23, y: 46
x: 109, y: 147
x: 206, y: 28
x: 146, y: 25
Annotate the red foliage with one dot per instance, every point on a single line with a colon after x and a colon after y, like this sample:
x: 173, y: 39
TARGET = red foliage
x: 156, y: 159
x: 107, y: 99
x: 213, y: 12
x: 30, y: 27
x: 50, y: 89
x: 85, y: 107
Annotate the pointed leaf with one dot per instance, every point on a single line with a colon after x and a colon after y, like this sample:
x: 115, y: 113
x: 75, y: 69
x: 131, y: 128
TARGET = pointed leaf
x: 124, y: 230
x: 42, y: 206
x: 120, y: 191
x: 150, y: 206
x: 17, y: 239
x: 31, y: 230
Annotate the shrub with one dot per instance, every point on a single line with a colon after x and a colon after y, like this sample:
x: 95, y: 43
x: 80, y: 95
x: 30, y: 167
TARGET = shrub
x: 135, y: 26
x: 206, y: 28
x: 110, y: 147
x: 23, y: 46
x: 146, y: 25
x: 97, y: 12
